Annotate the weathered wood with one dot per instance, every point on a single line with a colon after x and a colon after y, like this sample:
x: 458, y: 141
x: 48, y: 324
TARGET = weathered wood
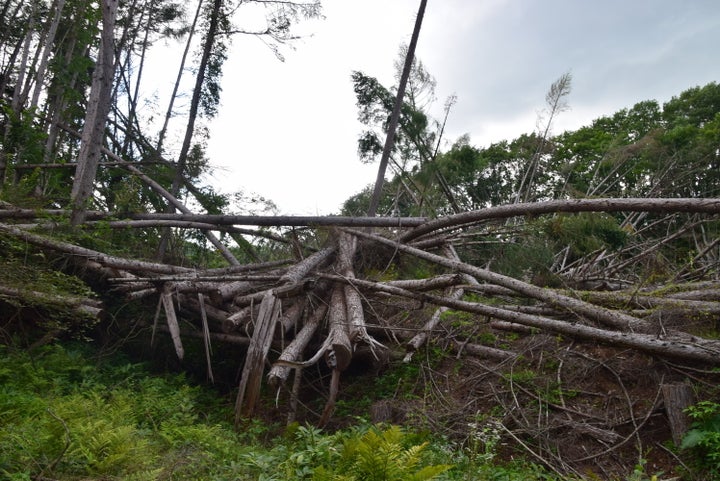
x: 486, y: 351
x: 225, y: 292
x: 82, y: 306
x: 429, y: 284
x: 241, y: 318
x: 220, y: 220
x: 290, y: 318
x: 89, y: 254
x: 206, y: 337
x: 297, y: 272
x: 680, y: 347
x: 251, y: 379
x: 705, y: 206
x: 292, y: 353
x: 608, y: 317
x: 340, y: 353
x: 347, y: 246
x: 172, y: 322
x: 510, y: 326
x: 677, y: 397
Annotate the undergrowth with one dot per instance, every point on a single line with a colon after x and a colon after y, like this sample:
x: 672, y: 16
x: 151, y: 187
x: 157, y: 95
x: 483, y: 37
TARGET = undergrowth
x: 67, y: 414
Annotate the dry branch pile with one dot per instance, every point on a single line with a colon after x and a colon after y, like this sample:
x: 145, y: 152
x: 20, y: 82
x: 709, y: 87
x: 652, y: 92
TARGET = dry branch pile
x: 292, y: 314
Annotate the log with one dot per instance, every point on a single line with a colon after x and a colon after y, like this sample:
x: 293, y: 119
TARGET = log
x: 225, y: 292
x: 241, y: 318
x: 297, y: 272
x: 605, y: 316
x: 486, y: 351
x: 347, y: 245
x: 511, y: 326
x: 700, y: 206
x: 290, y: 318
x: 81, y: 306
x: 429, y: 284
x: 291, y: 354
x: 251, y: 379
x: 172, y: 322
x: 680, y: 347
x: 339, y: 355
x: 89, y: 254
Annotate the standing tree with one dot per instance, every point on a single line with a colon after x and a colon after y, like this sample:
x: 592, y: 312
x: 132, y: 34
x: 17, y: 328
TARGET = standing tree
x: 96, y: 116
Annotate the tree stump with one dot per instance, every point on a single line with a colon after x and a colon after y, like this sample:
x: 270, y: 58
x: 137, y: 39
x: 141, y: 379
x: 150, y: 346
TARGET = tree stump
x: 677, y: 397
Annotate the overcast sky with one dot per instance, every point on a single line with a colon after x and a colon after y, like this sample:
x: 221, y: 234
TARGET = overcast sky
x: 288, y: 130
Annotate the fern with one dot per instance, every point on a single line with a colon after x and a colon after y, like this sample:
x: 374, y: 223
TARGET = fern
x: 381, y: 456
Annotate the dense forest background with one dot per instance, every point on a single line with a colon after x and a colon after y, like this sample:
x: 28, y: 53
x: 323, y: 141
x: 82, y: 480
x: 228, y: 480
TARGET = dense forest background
x: 551, y: 299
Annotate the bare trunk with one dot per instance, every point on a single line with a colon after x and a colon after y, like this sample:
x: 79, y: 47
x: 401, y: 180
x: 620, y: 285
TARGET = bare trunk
x: 395, y: 117
x: 249, y: 389
x: 172, y: 322
x: 49, y: 41
x: 96, y: 116
x: 192, y: 115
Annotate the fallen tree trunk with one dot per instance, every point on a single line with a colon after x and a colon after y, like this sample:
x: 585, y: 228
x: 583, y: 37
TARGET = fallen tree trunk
x: 605, y: 316
x: 223, y: 219
x: 692, y: 205
x: 89, y: 254
x: 686, y: 347
x: 80, y: 306
x: 290, y: 357
x: 249, y: 388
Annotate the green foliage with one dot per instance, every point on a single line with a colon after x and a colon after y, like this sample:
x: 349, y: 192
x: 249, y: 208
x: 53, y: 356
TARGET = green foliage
x: 399, y: 379
x: 640, y: 472
x: 49, y: 297
x: 379, y: 455
x: 585, y: 232
x: 704, y: 437
x: 62, y: 416
x: 65, y: 415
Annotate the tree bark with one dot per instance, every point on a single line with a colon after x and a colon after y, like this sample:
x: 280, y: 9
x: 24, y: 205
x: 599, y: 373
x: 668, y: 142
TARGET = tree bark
x: 172, y: 321
x: 249, y: 388
x: 96, y: 116
x: 340, y: 351
x: 292, y: 353
x: 48, y: 43
x: 677, y: 398
x: 706, y: 206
